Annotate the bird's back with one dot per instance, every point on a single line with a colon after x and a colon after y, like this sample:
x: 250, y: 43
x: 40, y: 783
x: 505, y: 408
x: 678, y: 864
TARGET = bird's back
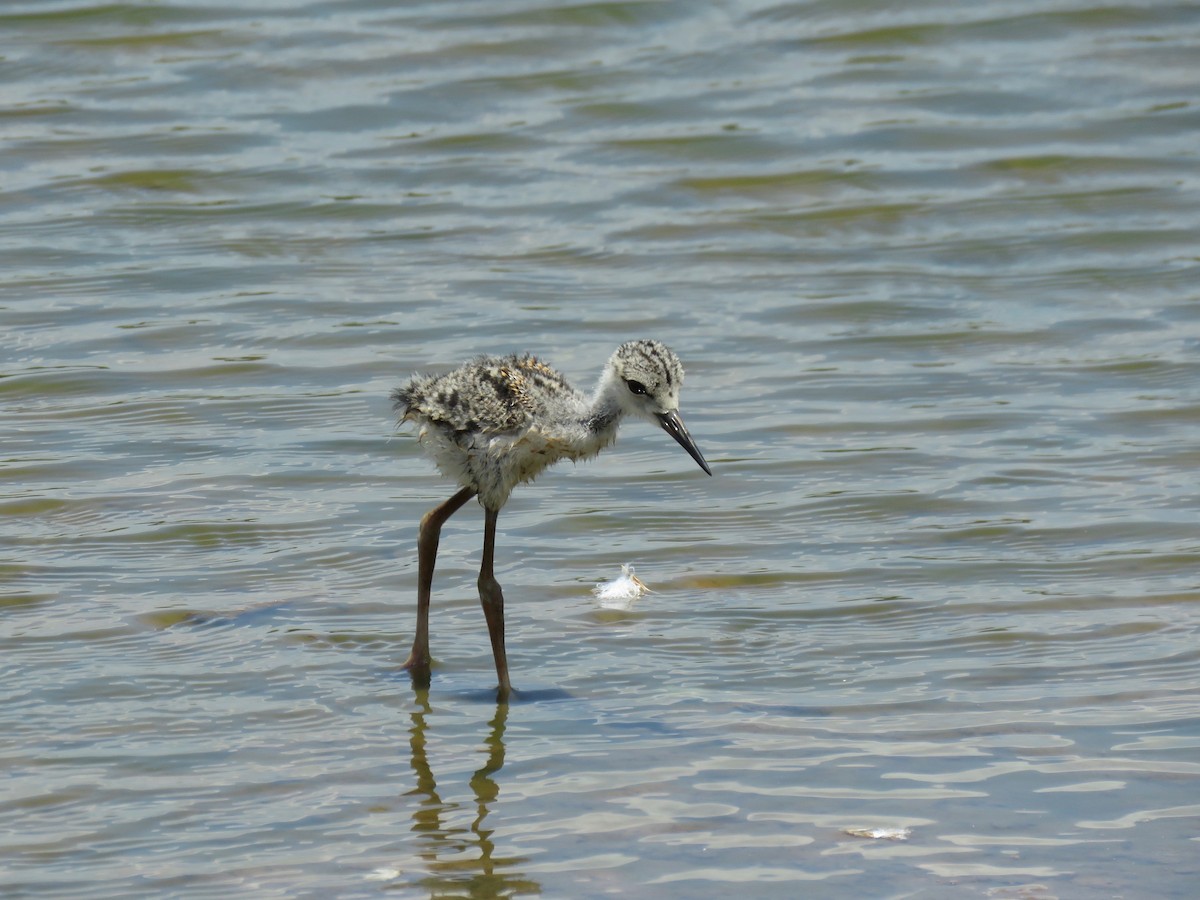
x: 489, y: 395
x: 495, y: 422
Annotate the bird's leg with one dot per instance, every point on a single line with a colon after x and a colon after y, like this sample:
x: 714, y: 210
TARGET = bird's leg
x: 492, y: 599
x: 427, y: 547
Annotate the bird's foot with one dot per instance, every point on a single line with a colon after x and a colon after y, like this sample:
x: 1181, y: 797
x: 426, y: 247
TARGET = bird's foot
x: 418, y: 669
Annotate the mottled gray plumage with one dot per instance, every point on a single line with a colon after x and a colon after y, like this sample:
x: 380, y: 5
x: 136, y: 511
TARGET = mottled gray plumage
x: 496, y: 422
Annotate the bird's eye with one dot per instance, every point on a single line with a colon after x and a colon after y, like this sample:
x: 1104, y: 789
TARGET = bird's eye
x: 636, y: 386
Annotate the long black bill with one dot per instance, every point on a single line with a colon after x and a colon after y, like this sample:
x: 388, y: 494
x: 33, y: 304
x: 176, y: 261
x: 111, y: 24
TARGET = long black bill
x: 673, y: 425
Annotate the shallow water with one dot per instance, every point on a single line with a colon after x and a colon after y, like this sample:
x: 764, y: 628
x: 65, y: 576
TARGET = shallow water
x: 932, y: 270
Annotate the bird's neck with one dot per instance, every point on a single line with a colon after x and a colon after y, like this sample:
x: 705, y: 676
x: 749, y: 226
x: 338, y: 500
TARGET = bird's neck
x: 604, y: 411
x: 603, y: 423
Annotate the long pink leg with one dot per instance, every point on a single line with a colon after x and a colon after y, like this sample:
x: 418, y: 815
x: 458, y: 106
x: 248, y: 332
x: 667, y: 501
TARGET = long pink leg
x: 427, y: 547
x: 492, y: 599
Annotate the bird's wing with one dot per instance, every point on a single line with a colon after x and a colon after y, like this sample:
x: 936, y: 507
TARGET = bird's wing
x: 489, y: 395
x: 514, y: 392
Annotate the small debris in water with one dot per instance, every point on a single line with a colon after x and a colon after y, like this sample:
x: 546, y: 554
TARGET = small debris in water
x: 880, y: 834
x: 620, y: 592
x: 383, y: 874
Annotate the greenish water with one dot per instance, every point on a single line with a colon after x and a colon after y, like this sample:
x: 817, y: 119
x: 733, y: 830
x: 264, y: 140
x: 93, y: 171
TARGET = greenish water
x: 932, y: 271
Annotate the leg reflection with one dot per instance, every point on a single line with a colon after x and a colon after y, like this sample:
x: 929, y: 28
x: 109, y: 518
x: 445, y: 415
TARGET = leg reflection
x: 457, y: 859
x: 482, y: 784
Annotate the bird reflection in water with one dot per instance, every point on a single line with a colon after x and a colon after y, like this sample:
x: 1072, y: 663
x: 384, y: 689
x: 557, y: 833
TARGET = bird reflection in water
x: 459, y: 860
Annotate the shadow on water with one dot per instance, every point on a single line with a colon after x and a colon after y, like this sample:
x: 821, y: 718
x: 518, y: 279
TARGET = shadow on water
x: 459, y: 860
x: 521, y: 695
x: 423, y: 684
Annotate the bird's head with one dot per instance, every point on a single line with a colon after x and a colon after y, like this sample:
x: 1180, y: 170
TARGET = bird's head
x: 646, y: 378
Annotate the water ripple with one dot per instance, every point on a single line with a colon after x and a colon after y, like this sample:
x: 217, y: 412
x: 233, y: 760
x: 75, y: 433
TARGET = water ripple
x: 930, y: 269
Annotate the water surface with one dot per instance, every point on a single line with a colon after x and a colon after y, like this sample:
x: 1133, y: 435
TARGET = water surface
x: 931, y: 269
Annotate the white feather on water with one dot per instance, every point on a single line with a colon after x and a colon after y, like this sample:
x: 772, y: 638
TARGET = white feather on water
x: 621, y: 591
